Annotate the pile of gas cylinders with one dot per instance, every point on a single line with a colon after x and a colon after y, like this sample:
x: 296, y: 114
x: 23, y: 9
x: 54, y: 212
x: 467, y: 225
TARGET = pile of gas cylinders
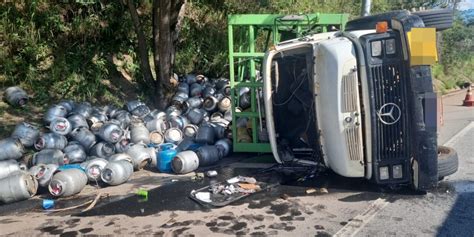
x: 80, y: 143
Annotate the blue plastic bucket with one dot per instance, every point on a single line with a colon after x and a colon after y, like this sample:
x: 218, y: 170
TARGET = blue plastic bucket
x: 165, y: 156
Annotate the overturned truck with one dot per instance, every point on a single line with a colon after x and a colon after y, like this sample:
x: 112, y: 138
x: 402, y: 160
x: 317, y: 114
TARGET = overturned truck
x: 360, y: 101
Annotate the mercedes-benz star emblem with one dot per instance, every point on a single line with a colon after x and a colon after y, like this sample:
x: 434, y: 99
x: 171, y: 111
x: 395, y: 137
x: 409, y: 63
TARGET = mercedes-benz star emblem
x: 389, y: 113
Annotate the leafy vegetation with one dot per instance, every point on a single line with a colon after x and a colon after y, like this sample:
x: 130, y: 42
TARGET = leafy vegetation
x: 86, y: 50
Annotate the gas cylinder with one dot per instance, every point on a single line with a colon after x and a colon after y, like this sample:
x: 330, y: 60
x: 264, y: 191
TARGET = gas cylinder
x: 185, y: 162
x: 140, y: 156
x: 85, y: 137
x: 156, y: 137
x: 141, y: 111
x: 205, y: 135
x: 11, y: 148
x: 77, y: 121
x: 102, y: 149
x: 75, y: 152
x: 60, y: 126
x: 117, y: 172
x: 139, y: 133
x: 67, y: 183
x: 190, y: 130
x: 166, y: 154
x: 94, y: 168
x: 51, y: 141
x: 111, y: 132
x: 120, y: 156
x: 208, y: 155
x: 18, y: 186
x: 224, y: 145
x: 55, y: 111
x: 196, y: 116
x: 83, y: 108
x: 49, y: 156
x: 43, y: 173
x: 16, y: 96
x: 173, y: 135
x: 26, y: 133
x: 8, y: 167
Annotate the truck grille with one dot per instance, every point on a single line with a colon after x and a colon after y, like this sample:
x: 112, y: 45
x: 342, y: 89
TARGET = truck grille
x: 349, y: 93
x: 353, y: 143
x: 391, y: 131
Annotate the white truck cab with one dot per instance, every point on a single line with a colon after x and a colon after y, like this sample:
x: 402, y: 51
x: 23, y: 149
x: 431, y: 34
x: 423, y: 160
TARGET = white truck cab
x: 354, y: 102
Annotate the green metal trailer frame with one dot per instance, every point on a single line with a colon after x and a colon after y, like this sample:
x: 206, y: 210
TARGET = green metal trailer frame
x: 246, y: 53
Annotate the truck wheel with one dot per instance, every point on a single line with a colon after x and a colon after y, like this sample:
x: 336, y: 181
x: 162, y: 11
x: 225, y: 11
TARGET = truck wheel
x: 447, y: 161
x: 369, y: 22
x: 440, y: 19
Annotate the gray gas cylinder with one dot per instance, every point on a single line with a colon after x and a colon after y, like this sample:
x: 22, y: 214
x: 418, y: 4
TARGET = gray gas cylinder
x: 196, y: 115
x: 75, y: 152
x: 183, y: 87
x: 141, y: 111
x: 43, y: 173
x: 68, y: 104
x: 50, y: 156
x: 26, y: 133
x: 195, y: 90
x: 205, y: 135
x: 225, y: 146
x: 224, y: 104
x: 85, y: 137
x: 117, y: 172
x: 53, y: 112
x: 11, y: 148
x: 133, y: 104
x: 16, y: 96
x: 77, y: 121
x: 140, y: 155
x: 173, y: 111
x: 173, y: 135
x: 191, y: 103
x: 178, y: 121
x: 156, y: 137
x: 122, y: 145
x: 67, y: 183
x: 190, y: 130
x: 208, y: 155
x: 124, y: 117
x: 120, y: 156
x: 94, y: 168
x: 102, y: 149
x: 60, y: 126
x: 18, y: 186
x: 157, y: 124
x: 210, y: 103
x: 111, y: 132
x: 8, y: 167
x: 139, y: 133
x: 51, y: 141
x: 185, y: 162
x: 84, y: 109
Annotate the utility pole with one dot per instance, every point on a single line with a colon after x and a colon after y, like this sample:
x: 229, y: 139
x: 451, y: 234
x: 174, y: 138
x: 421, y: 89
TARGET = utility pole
x: 365, y: 9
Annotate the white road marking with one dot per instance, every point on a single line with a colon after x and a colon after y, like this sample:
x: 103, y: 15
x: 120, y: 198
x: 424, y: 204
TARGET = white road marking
x: 358, y: 222
x: 461, y: 133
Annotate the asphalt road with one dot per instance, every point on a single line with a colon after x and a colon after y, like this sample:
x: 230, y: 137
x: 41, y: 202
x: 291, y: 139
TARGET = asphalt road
x: 352, y: 207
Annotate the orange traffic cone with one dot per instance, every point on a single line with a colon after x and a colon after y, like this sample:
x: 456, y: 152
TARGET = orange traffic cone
x: 469, y: 100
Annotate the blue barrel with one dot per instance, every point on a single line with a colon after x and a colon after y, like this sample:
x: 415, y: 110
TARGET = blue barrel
x: 165, y: 156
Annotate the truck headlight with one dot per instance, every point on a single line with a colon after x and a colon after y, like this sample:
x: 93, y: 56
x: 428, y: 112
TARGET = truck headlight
x: 390, y: 46
x: 383, y: 172
x: 397, y: 171
x: 376, y: 48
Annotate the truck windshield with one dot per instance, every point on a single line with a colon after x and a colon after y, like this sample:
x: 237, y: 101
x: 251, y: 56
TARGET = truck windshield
x: 293, y: 104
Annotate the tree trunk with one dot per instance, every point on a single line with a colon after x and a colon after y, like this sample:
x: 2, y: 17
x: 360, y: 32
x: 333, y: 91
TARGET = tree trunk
x: 156, y: 40
x: 142, y: 46
x: 177, y: 15
x: 165, y: 50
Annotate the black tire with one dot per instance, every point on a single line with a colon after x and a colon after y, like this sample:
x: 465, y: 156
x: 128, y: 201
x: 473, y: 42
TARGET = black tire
x: 440, y: 19
x: 447, y: 161
x: 369, y: 22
